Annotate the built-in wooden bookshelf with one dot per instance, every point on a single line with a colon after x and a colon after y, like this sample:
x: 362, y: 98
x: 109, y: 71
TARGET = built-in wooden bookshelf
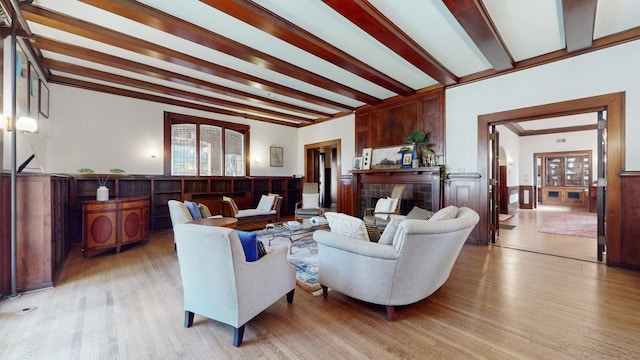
x: 246, y: 191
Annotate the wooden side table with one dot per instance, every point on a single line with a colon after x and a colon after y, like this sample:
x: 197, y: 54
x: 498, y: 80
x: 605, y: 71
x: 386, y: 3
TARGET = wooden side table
x: 229, y: 222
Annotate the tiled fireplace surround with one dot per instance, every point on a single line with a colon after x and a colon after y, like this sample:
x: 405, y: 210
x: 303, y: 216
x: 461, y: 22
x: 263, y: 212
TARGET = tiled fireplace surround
x: 414, y: 195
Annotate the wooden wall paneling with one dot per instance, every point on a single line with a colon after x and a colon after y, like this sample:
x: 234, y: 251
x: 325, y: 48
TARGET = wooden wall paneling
x: 362, y: 133
x: 513, y: 205
x: 432, y: 107
x: 630, y: 232
x: 463, y: 190
x: 527, y: 197
x: 389, y: 125
x: 346, y: 195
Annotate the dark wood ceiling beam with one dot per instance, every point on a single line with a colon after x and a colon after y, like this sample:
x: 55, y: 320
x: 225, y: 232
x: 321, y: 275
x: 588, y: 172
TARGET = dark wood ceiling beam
x: 74, y: 51
x: 65, y: 67
x: 66, y: 81
x: 110, y: 37
x: 579, y: 17
x: 269, y: 22
x: 598, y: 44
x: 475, y: 21
x: 149, y: 16
x: 374, y: 23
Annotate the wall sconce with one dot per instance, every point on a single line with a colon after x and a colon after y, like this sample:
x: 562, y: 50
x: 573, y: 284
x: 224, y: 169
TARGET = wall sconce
x: 256, y: 159
x: 24, y: 124
x: 510, y: 161
x: 153, y: 153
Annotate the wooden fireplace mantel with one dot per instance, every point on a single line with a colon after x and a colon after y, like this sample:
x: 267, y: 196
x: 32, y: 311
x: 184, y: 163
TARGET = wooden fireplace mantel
x: 427, y: 176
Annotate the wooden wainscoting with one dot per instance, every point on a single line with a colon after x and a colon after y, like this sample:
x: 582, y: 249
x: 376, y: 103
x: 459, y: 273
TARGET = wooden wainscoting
x: 345, y: 195
x: 462, y: 189
x: 527, y: 196
x: 630, y: 231
x: 512, y: 206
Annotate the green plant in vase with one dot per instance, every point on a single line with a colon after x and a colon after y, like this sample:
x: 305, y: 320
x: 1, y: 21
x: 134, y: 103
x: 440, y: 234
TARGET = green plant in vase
x: 420, y: 141
x: 102, y: 193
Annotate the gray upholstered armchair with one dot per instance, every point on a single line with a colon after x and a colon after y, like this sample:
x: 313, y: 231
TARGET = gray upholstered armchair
x: 220, y: 284
x: 416, y: 263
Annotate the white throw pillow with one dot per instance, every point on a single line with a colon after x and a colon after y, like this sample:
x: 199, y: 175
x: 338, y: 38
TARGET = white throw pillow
x: 349, y: 226
x: 266, y: 202
x: 450, y: 212
x: 389, y: 232
x: 310, y: 201
x: 383, y: 205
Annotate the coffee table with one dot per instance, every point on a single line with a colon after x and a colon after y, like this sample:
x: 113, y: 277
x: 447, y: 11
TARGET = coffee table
x: 305, y: 230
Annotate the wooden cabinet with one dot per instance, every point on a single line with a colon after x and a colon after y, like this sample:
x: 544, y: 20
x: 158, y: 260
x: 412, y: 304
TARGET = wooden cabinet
x: 567, y: 176
x: 110, y: 224
x: 42, y: 229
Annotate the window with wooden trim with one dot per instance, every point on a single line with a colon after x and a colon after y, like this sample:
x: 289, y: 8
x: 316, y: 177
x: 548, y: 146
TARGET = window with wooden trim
x: 195, y: 146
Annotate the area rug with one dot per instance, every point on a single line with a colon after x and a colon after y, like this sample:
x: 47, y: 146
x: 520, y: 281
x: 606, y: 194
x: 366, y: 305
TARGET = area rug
x: 504, y: 217
x: 570, y: 224
x: 303, y: 256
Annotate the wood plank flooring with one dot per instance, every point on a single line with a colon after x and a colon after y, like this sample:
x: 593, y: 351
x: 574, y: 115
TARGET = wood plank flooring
x: 499, y: 303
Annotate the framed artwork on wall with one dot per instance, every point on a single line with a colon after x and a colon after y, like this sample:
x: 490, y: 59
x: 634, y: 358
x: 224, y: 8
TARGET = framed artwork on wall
x: 366, y: 158
x: 276, y: 154
x: 43, y: 107
x: 22, y: 83
x: 357, y: 163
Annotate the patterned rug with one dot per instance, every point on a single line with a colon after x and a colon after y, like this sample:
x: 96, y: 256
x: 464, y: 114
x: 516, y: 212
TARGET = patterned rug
x: 570, y: 224
x: 303, y: 256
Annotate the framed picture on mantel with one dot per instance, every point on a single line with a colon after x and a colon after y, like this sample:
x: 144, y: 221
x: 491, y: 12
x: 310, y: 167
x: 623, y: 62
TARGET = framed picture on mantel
x: 366, y: 158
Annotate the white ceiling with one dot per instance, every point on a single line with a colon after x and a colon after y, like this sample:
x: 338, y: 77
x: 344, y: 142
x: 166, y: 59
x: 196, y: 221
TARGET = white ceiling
x: 528, y: 29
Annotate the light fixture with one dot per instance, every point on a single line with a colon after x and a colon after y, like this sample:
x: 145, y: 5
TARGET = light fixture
x: 256, y: 159
x: 24, y: 124
x: 153, y: 153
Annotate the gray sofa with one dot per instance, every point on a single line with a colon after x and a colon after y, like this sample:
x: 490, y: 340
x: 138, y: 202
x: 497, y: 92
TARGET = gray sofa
x: 416, y: 264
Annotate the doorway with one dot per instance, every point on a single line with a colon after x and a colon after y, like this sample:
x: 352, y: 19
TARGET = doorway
x: 322, y: 165
x: 613, y: 104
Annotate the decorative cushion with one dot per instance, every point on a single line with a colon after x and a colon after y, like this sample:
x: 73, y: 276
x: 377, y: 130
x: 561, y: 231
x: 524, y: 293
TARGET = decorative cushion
x: 204, y: 210
x: 234, y: 207
x: 310, y: 201
x: 450, y: 212
x: 383, y: 206
x: 193, y: 209
x: 349, y: 226
x: 266, y: 203
x: 262, y: 251
x: 373, y: 232
x: 389, y: 232
x: 249, y: 242
x: 419, y: 214
x: 275, y: 200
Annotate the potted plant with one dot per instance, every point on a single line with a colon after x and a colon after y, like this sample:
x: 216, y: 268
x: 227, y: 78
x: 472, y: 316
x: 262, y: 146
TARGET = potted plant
x: 420, y: 140
x: 102, y: 194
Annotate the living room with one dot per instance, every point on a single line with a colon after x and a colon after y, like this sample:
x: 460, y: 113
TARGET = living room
x: 87, y: 128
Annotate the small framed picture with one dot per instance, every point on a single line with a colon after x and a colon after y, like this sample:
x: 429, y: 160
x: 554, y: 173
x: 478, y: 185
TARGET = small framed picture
x: 366, y: 158
x: 357, y: 163
x: 406, y: 160
x: 275, y: 155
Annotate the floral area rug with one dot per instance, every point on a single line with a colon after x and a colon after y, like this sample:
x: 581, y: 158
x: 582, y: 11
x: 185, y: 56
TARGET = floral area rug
x: 303, y: 255
x: 570, y: 224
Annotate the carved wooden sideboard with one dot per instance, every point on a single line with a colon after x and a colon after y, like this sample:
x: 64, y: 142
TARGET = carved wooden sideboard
x: 110, y: 224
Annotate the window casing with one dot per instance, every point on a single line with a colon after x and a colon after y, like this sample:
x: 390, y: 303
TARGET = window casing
x: 197, y: 146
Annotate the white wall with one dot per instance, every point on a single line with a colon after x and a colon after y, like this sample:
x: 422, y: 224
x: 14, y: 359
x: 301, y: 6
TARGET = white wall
x: 103, y: 131
x: 510, y: 142
x: 340, y: 128
x: 606, y: 71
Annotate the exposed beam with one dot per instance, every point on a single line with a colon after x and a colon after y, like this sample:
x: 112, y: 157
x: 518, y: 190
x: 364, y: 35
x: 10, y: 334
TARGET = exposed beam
x: 374, y: 23
x: 267, y: 21
x: 113, y: 38
x: 56, y: 65
x: 579, y: 18
x: 475, y: 21
x: 172, y: 25
x: 61, y: 80
x: 78, y: 52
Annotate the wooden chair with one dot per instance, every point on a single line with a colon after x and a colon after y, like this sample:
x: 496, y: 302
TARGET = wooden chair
x: 381, y: 214
x: 311, y: 207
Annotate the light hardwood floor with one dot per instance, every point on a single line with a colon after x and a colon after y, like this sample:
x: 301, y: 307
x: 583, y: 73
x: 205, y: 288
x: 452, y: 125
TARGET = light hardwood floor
x: 525, y: 235
x: 499, y: 303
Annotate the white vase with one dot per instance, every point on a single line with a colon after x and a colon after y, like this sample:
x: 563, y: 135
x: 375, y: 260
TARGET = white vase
x: 102, y: 194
